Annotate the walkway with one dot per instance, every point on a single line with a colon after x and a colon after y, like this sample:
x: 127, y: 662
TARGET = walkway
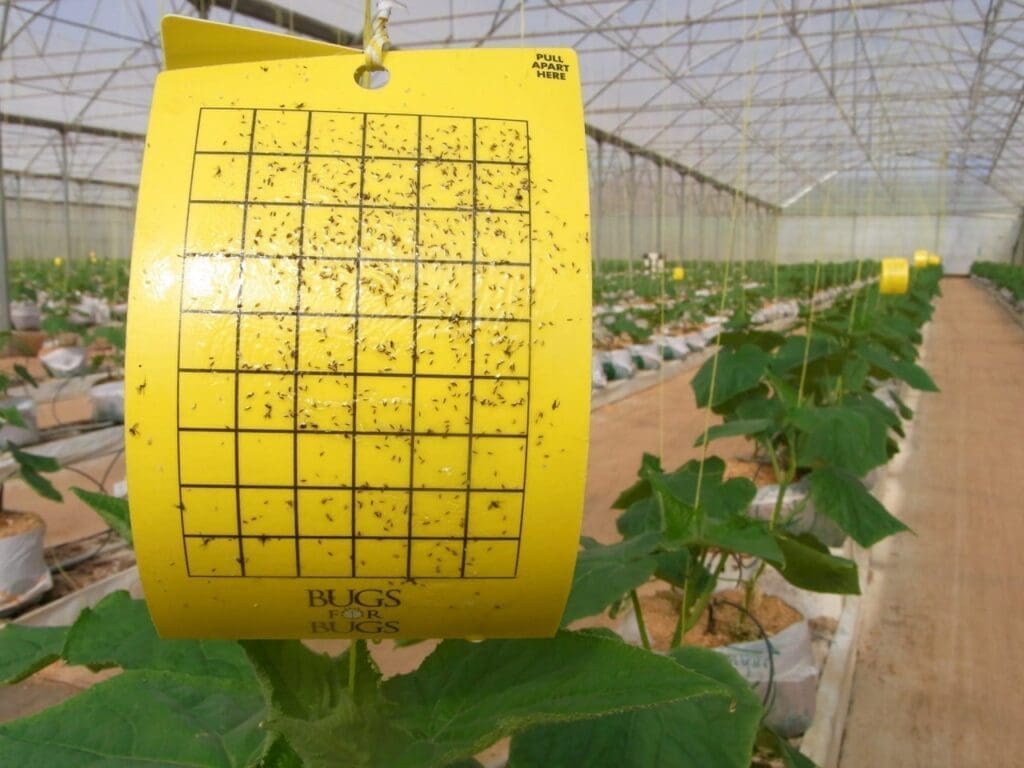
x: 939, y: 681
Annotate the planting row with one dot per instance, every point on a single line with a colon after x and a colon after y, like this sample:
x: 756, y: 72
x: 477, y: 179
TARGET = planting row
x: 1007, y: 279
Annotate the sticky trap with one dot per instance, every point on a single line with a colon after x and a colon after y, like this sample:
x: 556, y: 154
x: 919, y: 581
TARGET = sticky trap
x: 895, y: 276
x: 359, y: 345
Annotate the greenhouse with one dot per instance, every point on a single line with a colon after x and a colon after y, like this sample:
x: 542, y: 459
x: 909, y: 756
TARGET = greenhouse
x: 511, y: 383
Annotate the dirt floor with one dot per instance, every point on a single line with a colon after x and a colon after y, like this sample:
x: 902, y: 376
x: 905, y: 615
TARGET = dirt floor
x: 939, y: 681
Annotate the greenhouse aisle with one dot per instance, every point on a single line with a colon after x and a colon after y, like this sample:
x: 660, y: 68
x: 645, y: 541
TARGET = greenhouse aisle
x: 940, y: 673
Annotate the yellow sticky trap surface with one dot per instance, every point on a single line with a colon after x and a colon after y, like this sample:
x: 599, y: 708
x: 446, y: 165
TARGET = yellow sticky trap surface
x: 934, y: 260
x: 920, y: 259
x: 678, y: 273
x: 895, y: 276
x: 358, y: 354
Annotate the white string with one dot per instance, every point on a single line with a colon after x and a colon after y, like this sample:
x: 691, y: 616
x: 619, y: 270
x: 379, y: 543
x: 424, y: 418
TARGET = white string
x: 379, y: 43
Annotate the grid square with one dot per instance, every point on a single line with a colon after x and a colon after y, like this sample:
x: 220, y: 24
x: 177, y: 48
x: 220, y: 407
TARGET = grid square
x: 436, y: 559
x: 503, y: 237
x: 224, y: 130
x: 446, y: 236
x: 326, y: 343
x: 328, y: 287
x: 336, y: 133
x: 211, y: 341
x: 445, y: 184
x: 382, y: 513
x: 497, y: 515
x: 502, y: 187
x: 267, y: 512
x: 276, y: 179
x: 325, y: 513
x: 499, y: 407
x: 498, y: 462
x: 502, y: 349
x: 211, y: 283
x: 501, y: 140
x: 273, y: 230
x: 266, y: 401
x: 385, y: 345
x: 280, y: 131
x: 503, y: 292
x: 447, y: 138
x: 388, y: 234
x: 266, y: 459
x: 325, y: 460
x: 206, y: 458
x: 392, y: 136
x: 441, y: 462
x: 266, y: 343
x: 331, y: 232
x: 381, y: 558
x: 384, y: 404
x: 382, y: 461
x: 270, y: 285
x: 444, y: 347
x: 438, y: 513
x: 209, y: 511
x: 325, y: 557
x: 325, y: 403
x: 206, y: 400
x: 491, y: 559
x: 389, y: 182
x: 265, y: 556
x: 384, y: 288
x: 333, y: 180
x: 209, y: 556
x: 442, y: 405
x: 219, y: 177
x: 214, y: 228
x: 445, y: 290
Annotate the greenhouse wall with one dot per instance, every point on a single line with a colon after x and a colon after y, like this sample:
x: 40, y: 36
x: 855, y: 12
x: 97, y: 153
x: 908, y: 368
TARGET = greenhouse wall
x: 35, y: 230
x: 961, y: 239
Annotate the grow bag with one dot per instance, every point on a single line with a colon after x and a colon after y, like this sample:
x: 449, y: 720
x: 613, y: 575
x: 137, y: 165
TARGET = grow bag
x: 24, y: 576
x: 797, y: 514
x: 108, y: 402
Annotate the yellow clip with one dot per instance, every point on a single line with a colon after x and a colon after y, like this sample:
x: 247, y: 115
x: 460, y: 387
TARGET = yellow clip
x: 366, y: 414
x: 895, y: 276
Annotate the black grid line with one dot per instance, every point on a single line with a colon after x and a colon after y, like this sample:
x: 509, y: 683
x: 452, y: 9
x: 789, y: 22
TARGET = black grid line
x: 258, y: 365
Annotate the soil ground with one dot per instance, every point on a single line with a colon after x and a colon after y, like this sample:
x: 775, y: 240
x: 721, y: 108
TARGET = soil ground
x: 939, y: 681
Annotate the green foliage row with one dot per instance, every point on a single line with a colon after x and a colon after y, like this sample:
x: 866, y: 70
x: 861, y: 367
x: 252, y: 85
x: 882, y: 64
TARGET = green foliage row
x: 1010, y: 276
x: 68, y: 280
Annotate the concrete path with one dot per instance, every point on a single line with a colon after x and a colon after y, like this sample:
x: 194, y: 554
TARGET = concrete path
x: 940, y: 677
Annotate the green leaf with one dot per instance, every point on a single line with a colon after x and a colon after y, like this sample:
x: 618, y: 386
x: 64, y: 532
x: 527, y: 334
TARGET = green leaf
x: 791, y: 757
x: 901, y: 407
x: 809, y: 565
x: 841, y: 436
x: 913, y: 374
x: 12, y: 416
x: 113, y: 510
x: 299, y: 682
x: 745, y: 537
x: 280, y: 754
x: 40, y: 484
x: 711, y: 732
x: 34, y: 462
x: 792, y: 353
x: 22, y: 373
x: 26, y: 650
x: 738, y: 371
x: 649, y: 465
x: 144, y: 718
x: 733, y: 429
x: 118, y: 632
x: 843, y: 498
x: 465, y: 695
x: 605, y: 573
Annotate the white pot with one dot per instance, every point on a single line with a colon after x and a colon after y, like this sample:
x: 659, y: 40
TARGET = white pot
x: 797, y: 514
x: 25, y: 316
x: 108, y: 402
x: 64, y: 362
x: 24, y: 576
x: 19, y: 436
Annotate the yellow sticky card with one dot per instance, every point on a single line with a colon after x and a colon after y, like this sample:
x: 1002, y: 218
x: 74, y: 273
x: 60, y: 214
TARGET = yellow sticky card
x: 678, y: 273
x: 895, y: 276
x: 359, y: 347
x: 934, y: 260
x: 920, y: 259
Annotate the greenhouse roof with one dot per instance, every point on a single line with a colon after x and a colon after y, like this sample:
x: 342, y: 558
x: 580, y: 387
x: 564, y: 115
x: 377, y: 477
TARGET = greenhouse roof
x: 817, y: 106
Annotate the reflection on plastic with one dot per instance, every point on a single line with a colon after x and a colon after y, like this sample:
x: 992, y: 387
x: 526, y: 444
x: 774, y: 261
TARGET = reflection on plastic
x: 895, y: 276
x: 367, y: 411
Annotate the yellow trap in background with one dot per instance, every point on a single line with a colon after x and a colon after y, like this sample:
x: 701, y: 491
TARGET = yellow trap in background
x: 358, y: 391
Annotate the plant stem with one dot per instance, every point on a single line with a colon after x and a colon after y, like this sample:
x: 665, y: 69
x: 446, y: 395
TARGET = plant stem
x: 640, y: 620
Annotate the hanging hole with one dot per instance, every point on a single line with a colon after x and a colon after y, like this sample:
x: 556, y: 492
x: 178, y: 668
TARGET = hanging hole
x: 372, y: 77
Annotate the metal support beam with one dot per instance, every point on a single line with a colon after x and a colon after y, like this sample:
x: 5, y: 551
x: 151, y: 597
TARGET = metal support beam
x: 54, y: 125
